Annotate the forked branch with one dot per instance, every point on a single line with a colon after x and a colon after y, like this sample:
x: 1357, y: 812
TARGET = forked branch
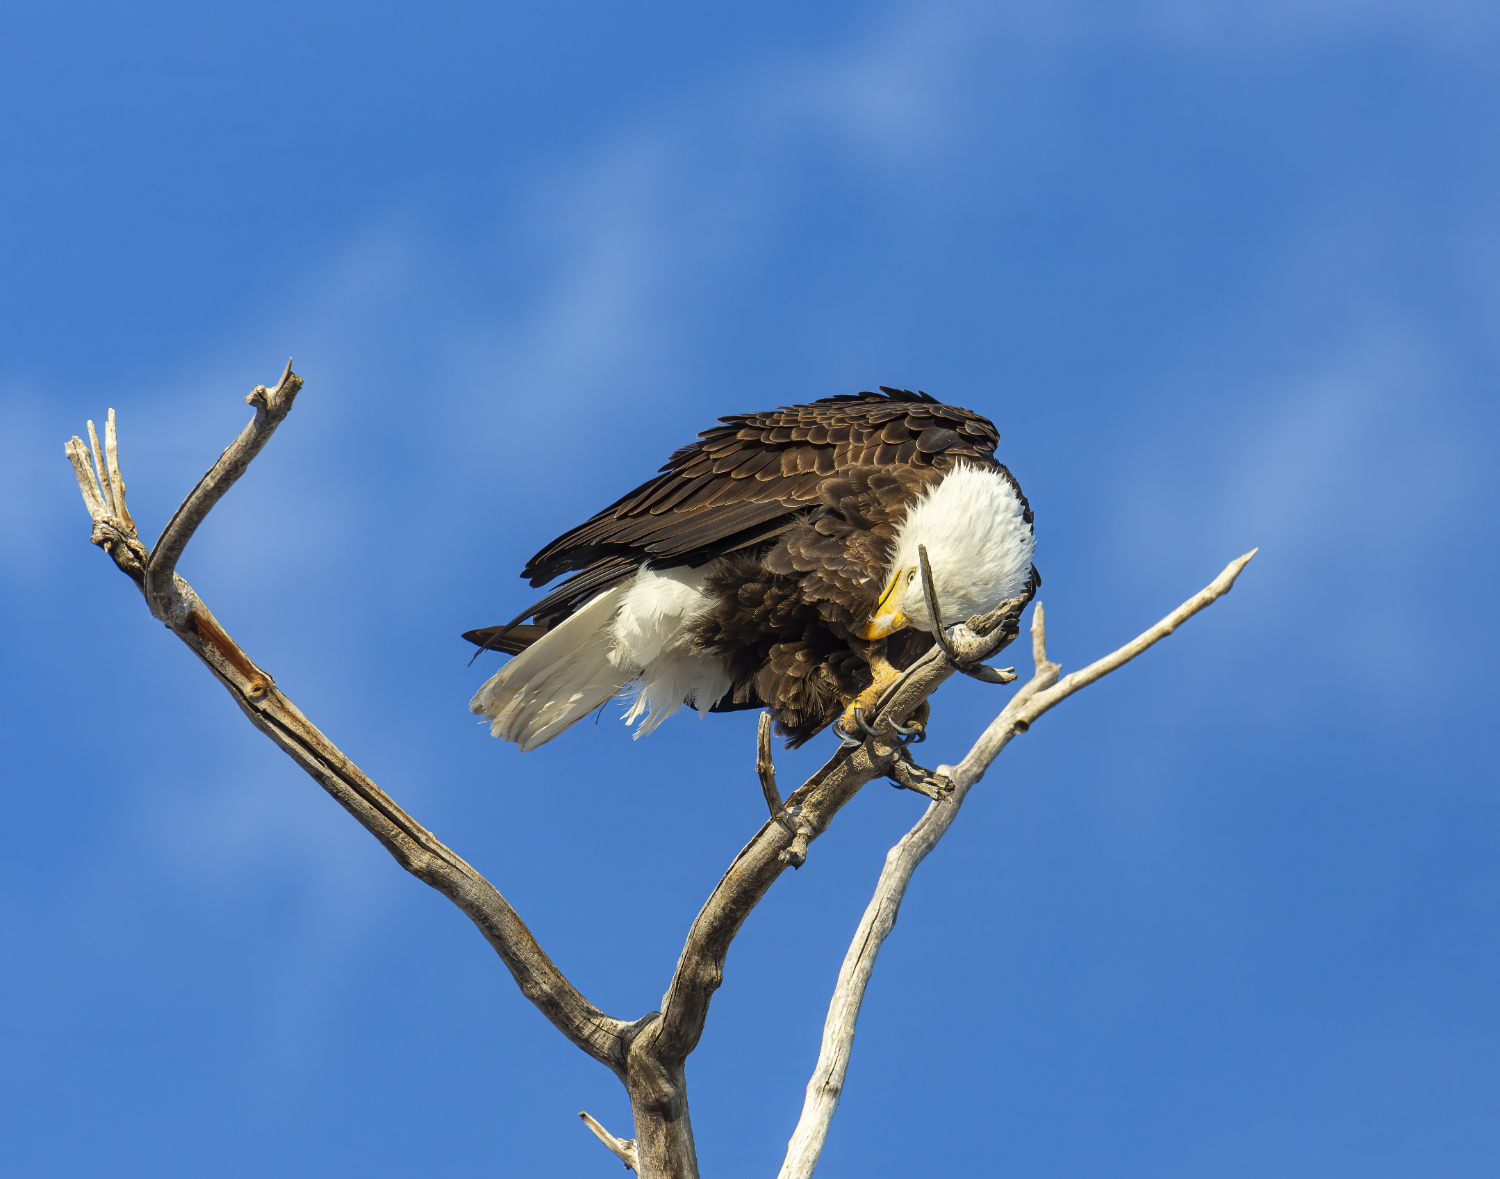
x: 415, y: 848
x: 648, y: 1054
x: 700, y: 969
x: 1039, y: 694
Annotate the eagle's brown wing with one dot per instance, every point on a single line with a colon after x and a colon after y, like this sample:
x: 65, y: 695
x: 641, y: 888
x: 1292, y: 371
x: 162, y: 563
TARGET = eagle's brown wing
x: 743, y: 483
x: 731, y: 488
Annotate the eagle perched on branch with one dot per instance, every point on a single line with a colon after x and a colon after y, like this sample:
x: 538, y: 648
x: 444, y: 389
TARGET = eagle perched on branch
x: 774, y: 563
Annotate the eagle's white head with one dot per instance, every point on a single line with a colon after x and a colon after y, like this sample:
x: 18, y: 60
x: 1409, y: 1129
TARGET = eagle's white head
x: 978, y: 544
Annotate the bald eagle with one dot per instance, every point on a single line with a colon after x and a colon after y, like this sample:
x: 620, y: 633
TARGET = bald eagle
x: 774, y: 564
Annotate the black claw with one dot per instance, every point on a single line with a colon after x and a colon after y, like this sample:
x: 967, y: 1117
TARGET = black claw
x: 906, y: 774
x: 847, y: 740
x: 904, y: 734
x: 913, y: 734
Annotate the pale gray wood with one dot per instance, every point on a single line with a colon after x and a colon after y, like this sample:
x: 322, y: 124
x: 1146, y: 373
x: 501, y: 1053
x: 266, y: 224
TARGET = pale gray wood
x: 116, y: 480
x: 1041, y: 693
x: 106, y: 492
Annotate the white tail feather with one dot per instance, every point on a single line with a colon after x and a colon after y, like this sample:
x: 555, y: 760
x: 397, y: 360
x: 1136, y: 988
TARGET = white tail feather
x: 637, y: 633
x: 652, y: 637
x: 558, y: 680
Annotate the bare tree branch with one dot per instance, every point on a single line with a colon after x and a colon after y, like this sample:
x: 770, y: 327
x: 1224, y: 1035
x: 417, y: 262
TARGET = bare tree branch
x: 116, y: 480
x: 754, y: 870
x: 271, y: 406
x: 415, y: 848
x: 1002, y: 729
x: 1039, y: 694
x: 649, y: 1055
x: 664, y: 1039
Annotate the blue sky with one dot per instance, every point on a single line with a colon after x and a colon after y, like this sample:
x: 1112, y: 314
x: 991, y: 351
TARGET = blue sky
x: 1223, y: 275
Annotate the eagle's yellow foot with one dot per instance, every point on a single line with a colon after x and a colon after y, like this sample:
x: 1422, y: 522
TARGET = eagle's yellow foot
x: 854, y: 728
x: 851, y: 726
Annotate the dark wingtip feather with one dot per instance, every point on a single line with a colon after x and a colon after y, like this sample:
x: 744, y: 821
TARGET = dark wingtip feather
x: 512, y: 640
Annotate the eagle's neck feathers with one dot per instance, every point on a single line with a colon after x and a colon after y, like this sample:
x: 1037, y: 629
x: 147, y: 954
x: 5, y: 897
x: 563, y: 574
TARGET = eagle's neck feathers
x: 978, y: 544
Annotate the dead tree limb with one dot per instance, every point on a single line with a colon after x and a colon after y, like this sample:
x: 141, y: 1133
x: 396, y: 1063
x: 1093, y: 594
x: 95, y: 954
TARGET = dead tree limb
x: 1039, y: 694
x: 649, y: 1054
x: 415, y: 848
x: 664, y: 1039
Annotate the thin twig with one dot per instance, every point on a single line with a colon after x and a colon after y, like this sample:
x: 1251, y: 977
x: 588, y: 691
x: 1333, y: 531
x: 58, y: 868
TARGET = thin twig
x: 116, y: 479
x: 271, y: 407
x: 1003, y: 728
x: 78, y: 455
x: 789, y: 818
x: 1042, y: 692
x: 929, y: 591
x: 765, y: 767
x: 101, y: 471
x: 979, y: 625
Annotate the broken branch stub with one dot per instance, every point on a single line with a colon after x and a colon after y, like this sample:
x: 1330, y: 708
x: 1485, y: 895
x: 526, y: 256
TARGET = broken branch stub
x: 622, y: 1148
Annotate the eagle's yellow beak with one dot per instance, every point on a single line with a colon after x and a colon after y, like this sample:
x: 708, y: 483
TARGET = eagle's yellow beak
x: 888, y: 619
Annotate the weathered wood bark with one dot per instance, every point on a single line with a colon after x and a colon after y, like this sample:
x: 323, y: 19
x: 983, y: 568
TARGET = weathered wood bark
x: 649, y: 1054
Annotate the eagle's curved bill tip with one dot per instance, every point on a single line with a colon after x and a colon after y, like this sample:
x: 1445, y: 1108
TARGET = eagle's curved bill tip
x: 886, y: 622
x: 888, y: 618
